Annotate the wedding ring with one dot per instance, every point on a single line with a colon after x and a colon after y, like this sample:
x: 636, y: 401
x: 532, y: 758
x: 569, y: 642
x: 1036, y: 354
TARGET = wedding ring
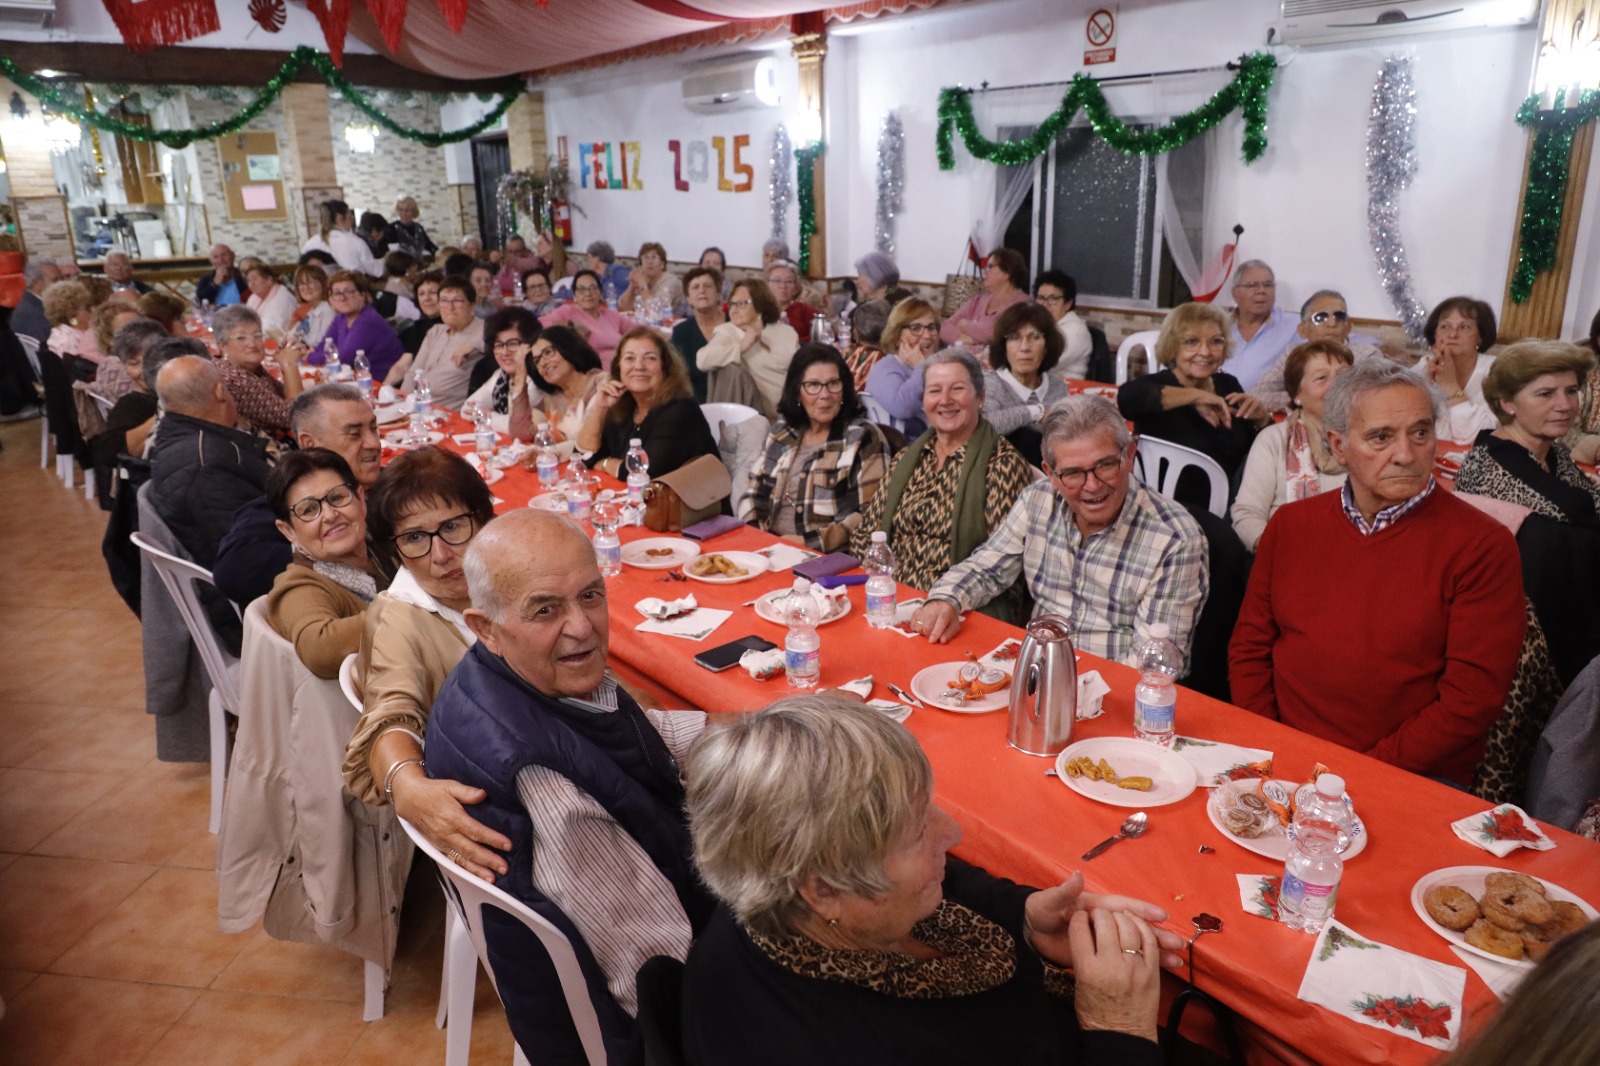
x: 1132, y: 951
x: 455, y: 856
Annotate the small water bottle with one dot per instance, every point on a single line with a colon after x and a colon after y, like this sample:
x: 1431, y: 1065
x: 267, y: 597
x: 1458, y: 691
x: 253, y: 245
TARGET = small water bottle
x: 841, y: 333
x: 517, y: 292
x: 636, y: 471
x: 1318, y: 836
x: 606, y: 515
x: 422, y: 397
x: 483, y: 437
x: 546, y: 462
x: 330, y: 360
x: 363, y: 372
x: 208, y: 312
x: 879, y: 565
x: 802, y: 649
x: 1155, y: 700
x: 611, y: 294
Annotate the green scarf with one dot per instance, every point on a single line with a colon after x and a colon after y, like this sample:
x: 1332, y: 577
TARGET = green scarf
x: 968, y: 529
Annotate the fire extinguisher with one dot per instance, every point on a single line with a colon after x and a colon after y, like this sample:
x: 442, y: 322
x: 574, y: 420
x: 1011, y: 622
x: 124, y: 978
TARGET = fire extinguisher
x: 561, y: 219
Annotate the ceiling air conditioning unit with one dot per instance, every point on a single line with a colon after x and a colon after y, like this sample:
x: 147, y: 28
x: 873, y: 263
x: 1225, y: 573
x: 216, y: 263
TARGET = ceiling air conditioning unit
x: 1327, y: 21
x: 749, y: 81
x: 31, y: 13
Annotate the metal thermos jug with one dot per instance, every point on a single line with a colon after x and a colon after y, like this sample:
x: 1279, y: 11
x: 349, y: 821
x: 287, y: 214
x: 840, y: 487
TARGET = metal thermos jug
x: 1044, y: 688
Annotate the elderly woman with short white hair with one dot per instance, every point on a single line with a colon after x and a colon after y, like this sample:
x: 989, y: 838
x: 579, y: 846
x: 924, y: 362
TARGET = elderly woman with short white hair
x: 846, y: 935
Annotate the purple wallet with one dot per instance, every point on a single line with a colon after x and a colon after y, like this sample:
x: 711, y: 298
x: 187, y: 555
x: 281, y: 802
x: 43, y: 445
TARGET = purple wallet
x: 826, y: 565
x: 712, y: 527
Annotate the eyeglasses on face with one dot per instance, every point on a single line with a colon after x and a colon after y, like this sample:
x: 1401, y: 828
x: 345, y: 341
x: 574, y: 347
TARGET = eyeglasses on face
x: 817, y: 388
x: 417, y: 543
x: 739, y: 303
x: 310, y: 508
x: 1192, y: 344
x: 1256, y: 286
x: 1105, y: 471
x: 1054, y: 299
x: 245, y: 338
x: 343, y: 291
x: 453, y: 301
x: 586, y: 288
x: 922, y: 327
x: 510, y: 346
x: 1322, y: 318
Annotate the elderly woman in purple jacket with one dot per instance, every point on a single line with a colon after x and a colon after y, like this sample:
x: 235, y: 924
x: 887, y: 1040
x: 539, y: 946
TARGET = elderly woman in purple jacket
x: 358, y: 327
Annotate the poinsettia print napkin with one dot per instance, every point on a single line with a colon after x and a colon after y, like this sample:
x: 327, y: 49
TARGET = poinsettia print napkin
x: 1502, y: 830
x: 1218, y: 762
x: 1384, y: 987
x: 1258, y: 894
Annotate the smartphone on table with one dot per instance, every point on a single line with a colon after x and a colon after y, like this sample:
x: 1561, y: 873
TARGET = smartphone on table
x: 727, y: 655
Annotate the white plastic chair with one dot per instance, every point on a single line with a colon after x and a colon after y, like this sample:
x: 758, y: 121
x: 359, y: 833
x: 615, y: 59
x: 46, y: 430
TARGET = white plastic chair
x: 30, y: 348
x: 467, y: 896
x: 1145, y: 339
x: 1170, y: 460
x: 719, y: 414
x: 180, y: 577
x: 347, y: 681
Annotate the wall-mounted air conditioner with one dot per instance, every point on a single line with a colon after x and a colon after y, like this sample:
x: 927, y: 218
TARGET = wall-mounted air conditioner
x: 32, y: 13
x: 1327, y: 21
x: 749, y: 81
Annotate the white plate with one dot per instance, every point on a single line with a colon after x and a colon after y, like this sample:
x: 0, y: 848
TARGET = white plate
x: 1470, y: 878
x: 393, y: 412
x: 766, y: 607
x: 933, y: 681
x: 752, y: 564
x: 492, y: 476
x: 1274, y: 843
x: 1172, y: 777
x: 549, y: 501
x: 397, y: 437
x: 636, y: 553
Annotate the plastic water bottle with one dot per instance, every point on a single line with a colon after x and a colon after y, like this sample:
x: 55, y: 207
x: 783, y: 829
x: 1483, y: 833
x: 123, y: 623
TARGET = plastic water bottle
x: 517, y: 293
x: 1318, y: 836
x: 636, y: 471
x: 422, y: 398
x: 1155, y: 700
x: 879, y: 565
x: 606, y: 515
x: 483, y: 437
x: 546, y: 462
x: 611, y: 294
x: 802, y: 649
x: 363, y: 372
x: 331, y: 368
x: 841, y: 333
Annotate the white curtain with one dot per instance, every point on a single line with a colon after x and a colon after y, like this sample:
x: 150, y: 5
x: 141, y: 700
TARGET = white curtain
x: 1008, y: 187
x: 1173, y: 229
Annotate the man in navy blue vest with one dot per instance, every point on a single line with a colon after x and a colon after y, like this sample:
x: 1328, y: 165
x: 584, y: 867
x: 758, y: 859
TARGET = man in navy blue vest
x: 582, y: 781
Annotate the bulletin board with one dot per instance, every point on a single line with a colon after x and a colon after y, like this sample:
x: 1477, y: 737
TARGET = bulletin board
x: 252, y: 176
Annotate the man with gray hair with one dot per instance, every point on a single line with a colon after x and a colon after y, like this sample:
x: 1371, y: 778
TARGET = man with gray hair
x: 29, y: 320
x: 119, y: 271
x: 1387, y: 617
x: 222, y: 284
x: 582, y: 780
x: 602, y: 259
x: 1262, y: 331
x: 1095, y: 546
x: 1323, y: 317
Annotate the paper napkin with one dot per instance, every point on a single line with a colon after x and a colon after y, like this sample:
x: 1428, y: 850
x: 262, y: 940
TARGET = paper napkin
x: 783, y: 555
x: 893, y: 709
x: 1384, y: 987
x: 660, y: 610
x: 1218, y: 762
x: 1501, y: 977
x: 763, y: 664
x: 1258, y: 894
x: 1092, y: 690
x: 1502, y: 830
x: 696, y: 625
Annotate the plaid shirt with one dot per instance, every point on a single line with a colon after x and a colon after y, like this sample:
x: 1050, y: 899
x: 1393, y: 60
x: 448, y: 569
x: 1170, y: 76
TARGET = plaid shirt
x: 1148, y: 566
x: 1386, y: 517
x: 258, y: 396
x: 827, y: 492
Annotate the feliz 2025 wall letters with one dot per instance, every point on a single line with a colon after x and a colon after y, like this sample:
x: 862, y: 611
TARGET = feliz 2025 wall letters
x: 618, y: 164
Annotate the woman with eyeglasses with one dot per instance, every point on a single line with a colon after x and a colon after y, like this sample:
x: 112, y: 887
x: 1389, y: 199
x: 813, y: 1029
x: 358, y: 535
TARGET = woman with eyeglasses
x: 313, y: 315
x: 511, y: 394
x: 823, y: 460
x: 1057, y: 293
x: 1461, y: 330
x: 589, y: 315
x: 1021, y: 388
x: 650, y: 280
x: 568, y: 374
x: 895, y: 381
x: 358, y: 327
x: 754, y: 337
x: 425, y: 509
x: 1191, y: 402
x: 1005, y: 282
x: 317, y: 603
x: 449, y: 351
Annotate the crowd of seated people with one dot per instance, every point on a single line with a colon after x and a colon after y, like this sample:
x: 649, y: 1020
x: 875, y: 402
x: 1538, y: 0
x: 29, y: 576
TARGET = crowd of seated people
x: 491, y: 720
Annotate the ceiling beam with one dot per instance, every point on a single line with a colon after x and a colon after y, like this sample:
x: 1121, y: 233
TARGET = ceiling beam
x: 218, y: 66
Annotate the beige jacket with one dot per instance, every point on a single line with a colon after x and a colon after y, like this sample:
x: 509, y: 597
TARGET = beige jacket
x: 319, y: 616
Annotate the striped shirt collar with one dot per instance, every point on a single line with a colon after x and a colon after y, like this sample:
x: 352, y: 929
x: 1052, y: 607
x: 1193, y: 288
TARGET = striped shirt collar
x: 1386, y: 517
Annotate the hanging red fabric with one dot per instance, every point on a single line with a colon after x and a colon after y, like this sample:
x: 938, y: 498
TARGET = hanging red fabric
x: 156, y: 22
x: 454, y: 12
x: 334, y: 18
x: 1216, y: 273
x: 390, y: 16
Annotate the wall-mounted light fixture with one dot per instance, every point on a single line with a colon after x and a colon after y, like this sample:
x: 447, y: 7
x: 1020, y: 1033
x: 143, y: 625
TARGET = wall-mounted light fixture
x: 1569, y: 60
x: 362, y: 138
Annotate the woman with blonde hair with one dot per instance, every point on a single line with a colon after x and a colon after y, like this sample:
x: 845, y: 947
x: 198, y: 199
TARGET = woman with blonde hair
x: 407, y: 234
x: 895, y: 380
x: 649, y: 398
x: 111, y: 380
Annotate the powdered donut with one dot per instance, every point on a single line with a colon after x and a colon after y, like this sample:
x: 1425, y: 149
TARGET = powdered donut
x: 1451, y: 906
x: 1512, y: 905
x: 1508, y: 881
x: 1496, y: 941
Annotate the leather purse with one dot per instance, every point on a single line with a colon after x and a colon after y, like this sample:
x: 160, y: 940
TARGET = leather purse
x: 689, y: 494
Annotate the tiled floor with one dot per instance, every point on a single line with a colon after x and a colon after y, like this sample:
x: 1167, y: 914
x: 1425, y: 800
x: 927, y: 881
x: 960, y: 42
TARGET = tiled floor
x: 109, y: 949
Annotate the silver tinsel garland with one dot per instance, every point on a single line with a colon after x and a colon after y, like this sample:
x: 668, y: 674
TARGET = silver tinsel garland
x: 780, y: 187
x: 1391, y: 164
x: 891, y: 180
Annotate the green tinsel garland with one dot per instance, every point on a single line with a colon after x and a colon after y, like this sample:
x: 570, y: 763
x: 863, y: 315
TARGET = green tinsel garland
x: 64, y: 100
x: 1247, y: 92
x: 1540, y: 229
x: 805, y: 160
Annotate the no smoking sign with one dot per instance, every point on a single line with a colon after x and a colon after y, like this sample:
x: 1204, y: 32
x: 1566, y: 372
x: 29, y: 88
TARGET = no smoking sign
x: 1101, y: 33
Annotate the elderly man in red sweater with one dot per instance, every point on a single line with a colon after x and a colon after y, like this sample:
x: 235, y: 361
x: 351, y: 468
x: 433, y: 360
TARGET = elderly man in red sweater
x: 1387, y: 617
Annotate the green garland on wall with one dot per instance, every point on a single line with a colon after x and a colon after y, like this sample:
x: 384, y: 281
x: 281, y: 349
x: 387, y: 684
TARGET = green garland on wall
x: 63, y: 99
x: 1247, y: 92
x: 1540, y: 229
x: 805, y: 162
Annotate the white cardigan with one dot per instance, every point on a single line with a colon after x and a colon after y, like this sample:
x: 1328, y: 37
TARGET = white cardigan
x: 1265, y: 485
x: 767, y: 359
x: 276, y: 310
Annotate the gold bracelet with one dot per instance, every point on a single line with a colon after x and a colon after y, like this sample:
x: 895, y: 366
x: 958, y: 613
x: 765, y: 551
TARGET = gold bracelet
x: 388, y: 778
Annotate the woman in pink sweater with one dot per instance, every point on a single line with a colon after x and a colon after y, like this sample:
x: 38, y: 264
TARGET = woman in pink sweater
x: 1005, y: 282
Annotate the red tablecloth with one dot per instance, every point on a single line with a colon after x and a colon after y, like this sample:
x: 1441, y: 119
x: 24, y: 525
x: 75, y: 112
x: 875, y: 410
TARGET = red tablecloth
x: 1026, y: 826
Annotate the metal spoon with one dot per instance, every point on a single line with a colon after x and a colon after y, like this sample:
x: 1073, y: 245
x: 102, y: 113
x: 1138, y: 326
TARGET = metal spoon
x: 1134, y: 826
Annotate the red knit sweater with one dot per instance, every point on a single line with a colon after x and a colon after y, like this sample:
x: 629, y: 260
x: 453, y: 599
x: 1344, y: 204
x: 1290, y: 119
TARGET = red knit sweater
x: 1401, y: 644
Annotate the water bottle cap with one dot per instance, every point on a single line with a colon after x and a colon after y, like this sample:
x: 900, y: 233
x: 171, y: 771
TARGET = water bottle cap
x: 634, y: 442
x: 1330, y: 785
x: 802, y: 585
x: 879, y: 537
x: 1161, y: 629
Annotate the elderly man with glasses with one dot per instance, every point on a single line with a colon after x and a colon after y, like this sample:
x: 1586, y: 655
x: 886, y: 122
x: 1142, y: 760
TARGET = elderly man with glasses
x: 1262, y: 331
x: 263, y: 400
x: 1324, y: 317
x: 1095, y: 547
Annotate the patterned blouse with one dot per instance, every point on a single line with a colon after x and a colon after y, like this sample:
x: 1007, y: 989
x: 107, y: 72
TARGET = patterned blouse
x: 923, y: 524
x: 823, y: 487
x: 258, y: 396
x: 1557, y: 489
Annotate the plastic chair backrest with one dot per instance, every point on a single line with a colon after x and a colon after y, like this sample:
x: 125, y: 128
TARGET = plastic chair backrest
x: 719, y: 414
x: 1145, y: 339
x: 181, y: 576
x: 347, y: 681
x: 469, y: 896
x: 103, y: 403
x: 30, y: 348
x: 1170, y: 460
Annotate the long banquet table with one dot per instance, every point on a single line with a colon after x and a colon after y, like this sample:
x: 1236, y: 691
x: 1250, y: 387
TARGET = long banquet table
x: 1024, y: 825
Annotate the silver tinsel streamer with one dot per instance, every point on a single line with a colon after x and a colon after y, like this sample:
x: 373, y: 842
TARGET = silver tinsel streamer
x: 780, y: 188
x: 1391, y: 164
x: 891, y: 180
